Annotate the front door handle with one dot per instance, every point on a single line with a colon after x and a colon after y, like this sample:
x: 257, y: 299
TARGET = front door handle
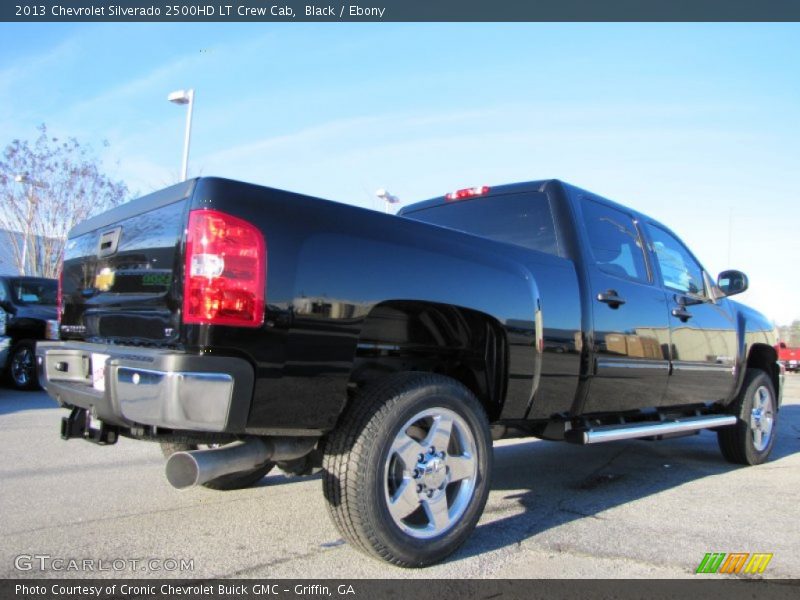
x: 683, y: 314
x: 611, y: 298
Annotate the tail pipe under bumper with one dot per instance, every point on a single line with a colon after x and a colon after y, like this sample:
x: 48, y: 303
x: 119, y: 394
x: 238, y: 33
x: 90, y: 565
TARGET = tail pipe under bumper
x: 196, y: 467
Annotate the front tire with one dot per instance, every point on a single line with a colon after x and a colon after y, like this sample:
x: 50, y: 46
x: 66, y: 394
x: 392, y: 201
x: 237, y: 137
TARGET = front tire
x: 408, y: 469
x: 22, y: 366
x: 750, y: 440
x: 232, y: 481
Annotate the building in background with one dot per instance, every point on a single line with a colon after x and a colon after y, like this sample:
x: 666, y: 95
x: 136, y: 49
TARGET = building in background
x: 8, y: 258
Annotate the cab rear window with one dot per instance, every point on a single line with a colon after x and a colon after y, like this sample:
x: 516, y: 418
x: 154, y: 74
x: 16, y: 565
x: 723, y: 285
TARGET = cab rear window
x: 522, y: 219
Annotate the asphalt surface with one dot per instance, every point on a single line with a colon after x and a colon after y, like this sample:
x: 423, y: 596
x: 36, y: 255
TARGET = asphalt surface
x: 622, y: 509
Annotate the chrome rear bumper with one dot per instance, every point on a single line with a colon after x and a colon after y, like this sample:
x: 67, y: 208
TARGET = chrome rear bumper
x: 130, y: 386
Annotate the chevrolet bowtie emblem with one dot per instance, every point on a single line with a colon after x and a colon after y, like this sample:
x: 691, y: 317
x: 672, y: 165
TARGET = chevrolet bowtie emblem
x: 104, y: 280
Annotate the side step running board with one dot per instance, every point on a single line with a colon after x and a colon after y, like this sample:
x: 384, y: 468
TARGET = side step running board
x: 611, y: 433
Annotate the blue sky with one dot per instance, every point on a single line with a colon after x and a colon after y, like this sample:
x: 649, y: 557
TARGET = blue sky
x: 695, y: 124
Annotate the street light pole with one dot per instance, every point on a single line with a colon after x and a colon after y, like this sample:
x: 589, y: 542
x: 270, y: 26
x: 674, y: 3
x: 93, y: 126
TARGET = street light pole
x: 185, y: 97
x: 387, y: 198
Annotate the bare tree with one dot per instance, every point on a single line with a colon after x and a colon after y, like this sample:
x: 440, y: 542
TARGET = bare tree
x: 790, y: 334
x: 46, y: 188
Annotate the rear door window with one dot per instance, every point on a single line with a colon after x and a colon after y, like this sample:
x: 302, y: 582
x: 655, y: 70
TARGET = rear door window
x: 522, y: 219
x: 615, y: 241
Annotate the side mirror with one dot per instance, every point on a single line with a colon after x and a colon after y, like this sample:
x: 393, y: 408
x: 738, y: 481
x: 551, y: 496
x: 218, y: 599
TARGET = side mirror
x: 732, y: 282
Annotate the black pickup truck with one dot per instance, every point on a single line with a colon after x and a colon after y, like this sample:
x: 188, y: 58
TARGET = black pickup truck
x: 243, y: 327
x: 30, y: 307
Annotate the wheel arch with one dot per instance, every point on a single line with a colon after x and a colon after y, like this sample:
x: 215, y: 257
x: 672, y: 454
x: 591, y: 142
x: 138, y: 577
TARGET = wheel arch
x: 22, y: 330
x: 765, y: 357
x: 410, y: 335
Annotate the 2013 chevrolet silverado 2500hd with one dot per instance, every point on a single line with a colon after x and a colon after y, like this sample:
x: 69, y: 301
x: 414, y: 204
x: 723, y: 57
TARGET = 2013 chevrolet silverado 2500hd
x: 243, y: 327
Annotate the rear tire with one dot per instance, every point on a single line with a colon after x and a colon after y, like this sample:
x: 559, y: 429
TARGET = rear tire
x: 750, y: 440
x: 232, y: 481
x: 407, y: 469
x: 22, y: 366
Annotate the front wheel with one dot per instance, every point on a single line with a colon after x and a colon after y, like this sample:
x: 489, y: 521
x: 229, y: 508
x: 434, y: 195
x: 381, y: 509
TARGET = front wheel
x: 750, y: 440
x: 22, y: 366
x: 407, y: 471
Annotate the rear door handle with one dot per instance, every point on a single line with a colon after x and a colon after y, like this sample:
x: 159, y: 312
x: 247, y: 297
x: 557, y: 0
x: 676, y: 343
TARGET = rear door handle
x: 611, y: 298
x: 683, y: 314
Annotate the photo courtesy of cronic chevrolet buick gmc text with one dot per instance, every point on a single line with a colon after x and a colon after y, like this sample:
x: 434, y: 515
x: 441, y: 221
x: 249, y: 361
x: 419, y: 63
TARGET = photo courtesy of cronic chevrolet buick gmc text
x: 244, y: 327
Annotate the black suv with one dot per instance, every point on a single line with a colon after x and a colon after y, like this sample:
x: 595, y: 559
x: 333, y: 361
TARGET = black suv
x: 30, y: 304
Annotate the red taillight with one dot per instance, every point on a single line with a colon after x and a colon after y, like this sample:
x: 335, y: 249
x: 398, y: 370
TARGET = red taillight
x: 225, y: 271
x: 467, y: 193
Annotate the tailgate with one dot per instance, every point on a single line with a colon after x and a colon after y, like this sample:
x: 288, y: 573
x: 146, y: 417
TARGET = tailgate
x: 122, y: 272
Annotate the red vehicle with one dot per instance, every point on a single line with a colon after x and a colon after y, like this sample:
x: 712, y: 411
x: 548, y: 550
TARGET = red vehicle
x: 789, y: 357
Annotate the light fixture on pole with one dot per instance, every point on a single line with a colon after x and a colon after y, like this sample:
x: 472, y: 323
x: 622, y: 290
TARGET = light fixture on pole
x: 387, y: 198
x: 24, y: 178
x: 185, y: 97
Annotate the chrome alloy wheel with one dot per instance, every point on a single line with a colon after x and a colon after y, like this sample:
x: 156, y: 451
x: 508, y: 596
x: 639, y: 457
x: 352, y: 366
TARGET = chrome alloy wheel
x: 430, y: 473
x: 22, y: 366
x: 761, y: 418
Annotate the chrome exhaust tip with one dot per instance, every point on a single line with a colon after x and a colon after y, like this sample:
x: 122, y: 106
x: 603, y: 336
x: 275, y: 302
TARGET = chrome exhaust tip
x: 196, y: 467
x: 182, y: 470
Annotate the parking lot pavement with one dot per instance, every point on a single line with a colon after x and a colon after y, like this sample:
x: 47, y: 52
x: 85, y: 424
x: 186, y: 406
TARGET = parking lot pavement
x: 623, y: 509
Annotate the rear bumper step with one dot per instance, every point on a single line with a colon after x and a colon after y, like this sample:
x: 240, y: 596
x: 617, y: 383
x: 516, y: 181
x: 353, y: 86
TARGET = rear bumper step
x: 611, y: 433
